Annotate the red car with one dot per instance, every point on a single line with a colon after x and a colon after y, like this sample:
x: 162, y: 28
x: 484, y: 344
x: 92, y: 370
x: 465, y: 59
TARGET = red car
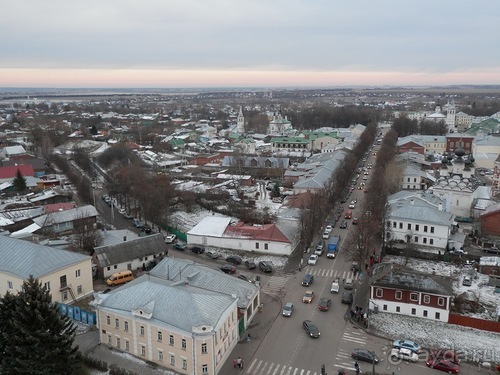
x: 324, y: 304
x: 443, y: 365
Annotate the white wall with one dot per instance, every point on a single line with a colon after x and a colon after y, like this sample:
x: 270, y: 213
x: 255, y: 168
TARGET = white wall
x: 440, y: 235
x: 405, y: 309
x: 135, y: 264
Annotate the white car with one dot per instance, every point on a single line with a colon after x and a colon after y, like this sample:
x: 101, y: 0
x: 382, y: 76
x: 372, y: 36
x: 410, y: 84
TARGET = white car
x: 404, y: 354
x: 352, y: 205
x: 328, y: 228
x: 326, y: 235
x: 313, y: 259
x: 170, y: 238
x: 335, y: 286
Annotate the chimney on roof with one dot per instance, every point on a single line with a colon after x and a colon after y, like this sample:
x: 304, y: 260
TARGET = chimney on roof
x: 124, y: 238
x: 412, y: 201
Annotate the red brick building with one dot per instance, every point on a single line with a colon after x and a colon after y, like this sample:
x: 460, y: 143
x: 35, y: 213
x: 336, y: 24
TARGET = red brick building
x: 490, y: 221
x: 401, y: 291
x: 453, y: 141
x: 411, y: 146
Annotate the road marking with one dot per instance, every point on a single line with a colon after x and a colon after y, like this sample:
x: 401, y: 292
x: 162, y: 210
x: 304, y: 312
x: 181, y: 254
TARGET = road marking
x: 251, y: 365
x: 270, y: 368
x: 274, y: 285
x: 276, y: 369
x: 258, y: 366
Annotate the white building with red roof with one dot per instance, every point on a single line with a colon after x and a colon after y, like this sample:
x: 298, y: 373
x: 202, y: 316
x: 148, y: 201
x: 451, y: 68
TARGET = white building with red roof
x: 215, y: 231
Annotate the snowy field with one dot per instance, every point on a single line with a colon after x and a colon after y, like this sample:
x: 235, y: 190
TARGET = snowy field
x: 470, y: 344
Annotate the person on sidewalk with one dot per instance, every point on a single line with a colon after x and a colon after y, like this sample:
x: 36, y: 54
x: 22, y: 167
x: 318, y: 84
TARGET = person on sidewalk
x: 239, y: 362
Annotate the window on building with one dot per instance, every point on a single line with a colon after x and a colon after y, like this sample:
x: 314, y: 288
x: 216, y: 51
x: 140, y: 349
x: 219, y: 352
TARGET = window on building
x: 425, y: 313
x: 424, y: 240
x: 399, y: 294
x: 109, y: 268
x: 415, y: 239
x: 438, y: 315
x: 398, y: 309
x: 171, y: 340
x: 204, y: 369
x: 400, y: 225
x: 172, y: 360
x: 47, y: 285
x: 414, y: 180
x: 79, y: 289
x: 409, y: 226
x: 183, y: 344
x: 425, y: 228
x: 394, y: 224
x: 203, y: 348
x: 10, y: 285
x: 117, y: 323
x: 127, y: 345
x: 427, y: 299
x: 379, y: 292
x: 413, y: 311
x: 143, y: 350
x: 118, y: 342
x: 110, y: 342
x: 417, y: 227
x: 432, y: 229
x: 440, y: 301
x: 160, y: 336
x: 63, y: 281
x: 108, y: 320
x: 413, y: 296
x: 77, y: 273
x: 431, y: 241
x: 408, y: 179
x: 125, y: 326
x: 184, y: 364
x: 384, y: 307
x: 266, y: 246
x: 256, y: 245
x: 115, y: 266
x: 64, y: 296
x: 160, y: 356
x: 142, y: 331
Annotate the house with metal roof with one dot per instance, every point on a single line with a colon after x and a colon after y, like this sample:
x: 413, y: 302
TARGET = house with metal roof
x: 67, y: 275
x: 185, y: 328
x: 413, y: 218
x: 138, y: 253
x: 67, y: 221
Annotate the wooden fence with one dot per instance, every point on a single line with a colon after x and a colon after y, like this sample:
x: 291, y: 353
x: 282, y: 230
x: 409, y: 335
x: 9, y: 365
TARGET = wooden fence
x: 467, y: 321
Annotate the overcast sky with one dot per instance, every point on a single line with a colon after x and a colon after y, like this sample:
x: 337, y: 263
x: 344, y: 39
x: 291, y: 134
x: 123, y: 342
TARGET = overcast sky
x: 218, y: 43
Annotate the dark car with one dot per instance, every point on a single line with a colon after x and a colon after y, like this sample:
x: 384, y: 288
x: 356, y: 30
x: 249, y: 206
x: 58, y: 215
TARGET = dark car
x: 198, y: 249
x: 347, y: 298
x: 227, y: 268
x: 250, y: 264
x: 146, y: 229
x: 311, y: 329
x: 343, y: 224
x: 244, y: 277
x: 234, y: 259
x: 308, y: 280
x: 443, y: 365
x: 266, y: 266
x: 364, y: 355
x: 178, y: 246
x: 324, y: 304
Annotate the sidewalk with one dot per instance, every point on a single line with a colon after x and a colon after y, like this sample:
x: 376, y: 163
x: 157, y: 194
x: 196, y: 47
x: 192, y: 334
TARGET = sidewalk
x: 258, y: 330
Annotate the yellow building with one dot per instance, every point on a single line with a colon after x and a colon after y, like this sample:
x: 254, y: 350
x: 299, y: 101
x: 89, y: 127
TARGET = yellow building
x: 182, y: 327
x: 67, y: 275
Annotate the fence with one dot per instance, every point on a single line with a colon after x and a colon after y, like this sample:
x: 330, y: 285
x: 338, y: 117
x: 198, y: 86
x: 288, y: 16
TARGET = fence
x: 76, y: 313
x: 467, y: 321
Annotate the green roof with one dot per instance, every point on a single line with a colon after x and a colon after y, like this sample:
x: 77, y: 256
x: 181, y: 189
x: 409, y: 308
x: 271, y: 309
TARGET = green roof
x: 176, y: 142
x: 290, y: 140
x: 247, y: 140
x: 487, y: 125
x: 312, y: 135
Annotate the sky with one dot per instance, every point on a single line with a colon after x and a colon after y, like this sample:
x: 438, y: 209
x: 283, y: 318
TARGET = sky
x: 248, y: 43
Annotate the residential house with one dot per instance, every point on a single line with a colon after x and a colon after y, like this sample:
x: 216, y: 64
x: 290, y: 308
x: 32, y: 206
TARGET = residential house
x: 245, y: 146
x: 410, y: 144
x: 320, y: 140
x: 490, y: 221
x: 418, y: 218
x: 413, y: 178
x: 292, y: 146
x: 139, y: 253
x: 68, y: 221
x: 405, y: 292
x: 486, y: 150
x: 7, y: 174
x: 65, y: 274
x: 38, y: 164
x: 10, y: 151
x: 219, y: 232
x: 184, y: 328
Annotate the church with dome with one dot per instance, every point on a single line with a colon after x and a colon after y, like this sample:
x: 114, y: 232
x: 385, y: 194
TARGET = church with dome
x: 456, y: 183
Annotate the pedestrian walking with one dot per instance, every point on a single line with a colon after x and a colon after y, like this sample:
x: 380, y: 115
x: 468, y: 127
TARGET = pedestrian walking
x: 235, y: 362
x: 239, y: 362
x: 249, y: 338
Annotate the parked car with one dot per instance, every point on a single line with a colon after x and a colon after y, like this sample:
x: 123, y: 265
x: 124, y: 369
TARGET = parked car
x: 343, y: 224
x: 447, y: 354
x: 324, y: 304
x: 170, y: 238
x: 347, y: 298
x: 329, y: 228
x: 198, y: 249
x: 227, y: 268
x: 313, y: 259
x: 311, y: 329
x: 137, y: 223
x: 288, y: 309
x: 146, y: 229
x: 212, y: 255
x: 467, y: 281
x: 234, y: 259
x: 122, y: 211
x: 326, y: 235
x: 244, y: 277
x: 406, y: 344
x: 178, y: 246
x: 266, y: 266
x: 335, y: 286
x: 308, y: 279
x: 320, y: 248
x: 404, y: 354
x: 308, y: 296
x: 250, y: 264
x: 348, y: 284
x: 443, y: 365
x: 364, y: 355
x: 128, y: 215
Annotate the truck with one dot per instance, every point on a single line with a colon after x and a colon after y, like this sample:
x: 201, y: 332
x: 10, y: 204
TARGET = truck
x: 333, y: 247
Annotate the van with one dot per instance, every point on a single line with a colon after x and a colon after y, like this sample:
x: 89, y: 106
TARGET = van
x: 348, y: 214
x: 120, y: 278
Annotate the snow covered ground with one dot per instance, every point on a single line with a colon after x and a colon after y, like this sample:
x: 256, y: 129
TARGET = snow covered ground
x: 471, y: 344
x: 478, y: 291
